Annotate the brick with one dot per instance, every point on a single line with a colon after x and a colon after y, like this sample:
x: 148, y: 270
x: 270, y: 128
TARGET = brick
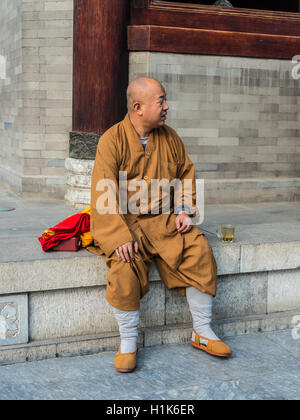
x: 274, y: 166
x: 57, y: 146
x: 57, y: 129
x: 198, y: 132
x: 59, y: 112
x: 294, y: 125
x: 32, y: 154
x: 32, y: 171
x: 53, y: 171
x: 58, y: 94
x: 276, y: 149
x: 34, y: 163
x: 55, y: 163
x: 53, y: 154
x: 56, y: 69
x: 61, y: 6
x: 248, y: 116
x: 56, y: 137
x: 288, y: 141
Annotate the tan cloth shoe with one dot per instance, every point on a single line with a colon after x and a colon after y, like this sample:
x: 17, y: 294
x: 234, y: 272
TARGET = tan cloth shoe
x: 125, y: 362
x: 214, y: 347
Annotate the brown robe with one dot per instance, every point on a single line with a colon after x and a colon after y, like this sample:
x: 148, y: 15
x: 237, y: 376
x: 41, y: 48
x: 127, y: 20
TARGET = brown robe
x: 164, y: 157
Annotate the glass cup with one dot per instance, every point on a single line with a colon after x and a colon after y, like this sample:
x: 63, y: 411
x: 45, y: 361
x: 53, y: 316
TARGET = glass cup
x: 227, y: 233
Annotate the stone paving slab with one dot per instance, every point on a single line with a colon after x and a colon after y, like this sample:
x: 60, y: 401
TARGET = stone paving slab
x: 264, y: 366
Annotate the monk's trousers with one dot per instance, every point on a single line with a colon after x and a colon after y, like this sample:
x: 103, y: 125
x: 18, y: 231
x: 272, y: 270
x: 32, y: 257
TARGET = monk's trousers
x: 127, y: 282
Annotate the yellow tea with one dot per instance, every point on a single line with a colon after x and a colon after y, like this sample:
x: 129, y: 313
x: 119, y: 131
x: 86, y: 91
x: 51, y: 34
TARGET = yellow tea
x: 228, y: 233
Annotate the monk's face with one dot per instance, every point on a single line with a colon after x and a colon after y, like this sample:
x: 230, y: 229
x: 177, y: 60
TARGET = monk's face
x: 154, y: 107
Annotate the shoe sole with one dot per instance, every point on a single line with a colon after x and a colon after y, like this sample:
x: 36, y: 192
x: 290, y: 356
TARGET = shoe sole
x: 203, y: 348
x: 125, y: 370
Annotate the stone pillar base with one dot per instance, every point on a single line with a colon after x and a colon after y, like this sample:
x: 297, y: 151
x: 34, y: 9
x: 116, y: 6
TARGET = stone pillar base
x: 79, y: 165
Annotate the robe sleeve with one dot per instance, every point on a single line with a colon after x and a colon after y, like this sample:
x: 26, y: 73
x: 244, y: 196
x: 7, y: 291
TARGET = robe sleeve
x: 186, y: 172
x: 109, y: 230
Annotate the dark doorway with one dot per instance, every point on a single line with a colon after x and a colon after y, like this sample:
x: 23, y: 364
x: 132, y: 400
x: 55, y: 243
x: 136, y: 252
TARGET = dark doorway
x: 281, y: 5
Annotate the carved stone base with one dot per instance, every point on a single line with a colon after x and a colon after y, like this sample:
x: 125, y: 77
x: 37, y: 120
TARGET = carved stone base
x: 13, y: 319
x: 79, y: 172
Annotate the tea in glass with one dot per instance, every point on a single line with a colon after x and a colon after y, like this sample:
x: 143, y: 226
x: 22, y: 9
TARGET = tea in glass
x: 227, y: 232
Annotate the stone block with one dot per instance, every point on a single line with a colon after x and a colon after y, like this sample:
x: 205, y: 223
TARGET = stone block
x: 284, y: 290
x: 67, y: 313
x: 13, y: 319
x: 269, y: 257
x: 227, y: 258
x: 177, y: 309
x: 85, y: 311
x: 78, y: 196
x: 59, y: 270
x: 81, y: 181
x: 83, y: 145
x: 79, y: 166
x: 241, y: 295
x: 153, y: 306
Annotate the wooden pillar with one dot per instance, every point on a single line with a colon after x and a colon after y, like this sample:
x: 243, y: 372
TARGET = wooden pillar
x: 101, y: 64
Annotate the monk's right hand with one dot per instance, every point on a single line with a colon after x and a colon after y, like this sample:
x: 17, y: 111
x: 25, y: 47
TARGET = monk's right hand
x: 126, y: 251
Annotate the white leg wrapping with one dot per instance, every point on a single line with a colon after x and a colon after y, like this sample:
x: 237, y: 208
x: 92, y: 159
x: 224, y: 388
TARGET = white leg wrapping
x: 128, y: 322
x: 201, y: 309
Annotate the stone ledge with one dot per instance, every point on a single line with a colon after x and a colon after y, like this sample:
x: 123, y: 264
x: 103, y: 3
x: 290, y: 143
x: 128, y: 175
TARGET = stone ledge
x: 37, y: 271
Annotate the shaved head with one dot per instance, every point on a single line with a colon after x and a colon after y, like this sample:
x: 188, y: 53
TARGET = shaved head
x: 140, y: 90
x: 147, y: 104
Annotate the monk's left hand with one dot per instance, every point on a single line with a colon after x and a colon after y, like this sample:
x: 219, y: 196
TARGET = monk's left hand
x: 183, y: 222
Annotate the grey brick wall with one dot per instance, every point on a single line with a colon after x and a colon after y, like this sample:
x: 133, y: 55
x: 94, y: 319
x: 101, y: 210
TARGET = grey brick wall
x: 11, y: 105
x: 239, y: 117
x: 39, y: 91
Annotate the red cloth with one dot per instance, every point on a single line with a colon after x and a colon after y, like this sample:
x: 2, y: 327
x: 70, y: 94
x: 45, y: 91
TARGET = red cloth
x: 72, y: 226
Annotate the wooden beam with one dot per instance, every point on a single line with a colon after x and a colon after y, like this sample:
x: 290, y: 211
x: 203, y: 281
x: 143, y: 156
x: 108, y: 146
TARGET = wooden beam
x: 141, y: 4
x: 163, y: 13
x: 101, y: 62
x: 202, y: 41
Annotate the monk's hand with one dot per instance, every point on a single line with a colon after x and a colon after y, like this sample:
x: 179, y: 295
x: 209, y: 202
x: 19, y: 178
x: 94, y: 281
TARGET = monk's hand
x: 183, y: 222
x: 126, y: 251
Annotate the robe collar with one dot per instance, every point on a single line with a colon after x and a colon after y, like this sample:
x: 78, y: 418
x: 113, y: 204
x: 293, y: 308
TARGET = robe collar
x: 134, y: 139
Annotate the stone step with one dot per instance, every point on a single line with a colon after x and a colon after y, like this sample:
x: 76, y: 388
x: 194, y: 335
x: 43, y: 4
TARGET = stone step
x: 63, y: 295
x: 54, y: 303
x: 148, y: 337
x: 217, y: 191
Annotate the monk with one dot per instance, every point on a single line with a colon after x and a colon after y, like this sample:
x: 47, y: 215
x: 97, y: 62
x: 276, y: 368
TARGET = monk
x: 130, y: 225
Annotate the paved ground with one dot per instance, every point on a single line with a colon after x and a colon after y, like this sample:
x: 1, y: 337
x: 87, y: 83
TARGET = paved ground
x: 263, y: 367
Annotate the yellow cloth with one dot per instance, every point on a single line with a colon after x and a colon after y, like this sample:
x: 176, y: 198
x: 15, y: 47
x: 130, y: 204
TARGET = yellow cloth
x: 86, y: 237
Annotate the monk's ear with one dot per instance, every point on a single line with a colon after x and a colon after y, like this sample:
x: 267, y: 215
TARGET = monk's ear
x: 137, y: 108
